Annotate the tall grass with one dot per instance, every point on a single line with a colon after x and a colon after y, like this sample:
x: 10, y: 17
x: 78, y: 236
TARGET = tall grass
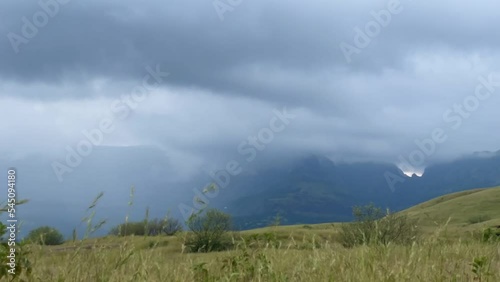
x: 315, y: 253
x: 130, y: 259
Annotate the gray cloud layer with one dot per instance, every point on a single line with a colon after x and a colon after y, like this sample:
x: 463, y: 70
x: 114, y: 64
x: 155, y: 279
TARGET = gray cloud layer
x: 227, y: 76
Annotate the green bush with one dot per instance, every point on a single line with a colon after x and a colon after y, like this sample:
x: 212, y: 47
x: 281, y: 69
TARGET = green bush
x: 171, y: 226
x: 129, y: 228
x: 155, y: 227
x: 372, y: 226
x: 45, y: 235
x: 209, y: 232
x: 478, y: 219
x: 490, y: 235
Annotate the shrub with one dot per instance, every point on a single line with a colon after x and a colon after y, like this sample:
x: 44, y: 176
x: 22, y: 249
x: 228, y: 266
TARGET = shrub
x: 129, y: 228
x: 209, y: 231
x: 155, y: 227
x: 167, y: 226
x: 490, y: 235
x: 45, y: 235
x: 170, y: 226
x: 478, y: 219
x: 372, y: 226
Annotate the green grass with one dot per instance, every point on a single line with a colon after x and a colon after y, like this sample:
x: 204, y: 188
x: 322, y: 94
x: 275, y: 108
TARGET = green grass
x: 294, y: 253
x: 132, y: 259
x: 462, y: 212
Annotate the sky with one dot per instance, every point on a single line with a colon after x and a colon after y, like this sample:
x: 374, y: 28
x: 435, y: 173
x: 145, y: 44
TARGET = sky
x: 406, y: 82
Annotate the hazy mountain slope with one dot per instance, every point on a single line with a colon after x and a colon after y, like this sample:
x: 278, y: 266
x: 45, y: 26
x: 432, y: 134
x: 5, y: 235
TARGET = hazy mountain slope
x: 317, y: 190
x: 308, y: 190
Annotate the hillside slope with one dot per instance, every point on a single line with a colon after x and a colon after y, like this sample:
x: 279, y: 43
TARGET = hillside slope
x: 316, y: 189
x: 467, y: 210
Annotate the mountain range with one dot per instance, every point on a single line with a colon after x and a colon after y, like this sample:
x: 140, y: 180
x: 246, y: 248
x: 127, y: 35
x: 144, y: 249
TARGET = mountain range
x: 316, y: 190
x: 310, y: 189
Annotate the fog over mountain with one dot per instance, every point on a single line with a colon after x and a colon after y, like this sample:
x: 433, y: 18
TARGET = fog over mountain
x: 102, y: 95
x: 306, y: 189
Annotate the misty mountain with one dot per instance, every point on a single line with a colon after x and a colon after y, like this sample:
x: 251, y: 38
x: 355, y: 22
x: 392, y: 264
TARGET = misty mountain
x: 316, y: 189
x: 311, y: 189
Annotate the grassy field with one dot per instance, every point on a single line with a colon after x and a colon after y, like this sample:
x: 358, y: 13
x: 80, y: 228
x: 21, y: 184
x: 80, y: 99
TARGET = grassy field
x: 448, y: 251
x: 461, y: 212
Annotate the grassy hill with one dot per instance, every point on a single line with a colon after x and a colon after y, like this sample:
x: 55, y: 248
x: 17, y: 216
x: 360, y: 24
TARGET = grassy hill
x: 460, y: 212
x: 463, y: 211
x: 292, y: 253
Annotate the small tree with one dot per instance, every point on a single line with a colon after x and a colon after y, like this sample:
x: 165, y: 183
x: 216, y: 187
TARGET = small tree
x: 154, y: 227
x: 167, y: 226
x: 45, y: 235
x: 372, y: 226
x: 209, y: 231
x: 171, y: 226
x: 129, y: 228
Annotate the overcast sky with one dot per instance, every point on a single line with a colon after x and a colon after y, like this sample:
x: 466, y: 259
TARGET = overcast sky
x: 359, y: 89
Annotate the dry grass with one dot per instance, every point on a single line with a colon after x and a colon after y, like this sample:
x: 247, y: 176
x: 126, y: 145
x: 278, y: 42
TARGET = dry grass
x: 300, y: 256
x: 460, y: 211
x: 447, y: 252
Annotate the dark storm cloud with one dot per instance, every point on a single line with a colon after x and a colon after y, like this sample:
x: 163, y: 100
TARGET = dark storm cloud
x: 257, y: 43
x: 263, y: 55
